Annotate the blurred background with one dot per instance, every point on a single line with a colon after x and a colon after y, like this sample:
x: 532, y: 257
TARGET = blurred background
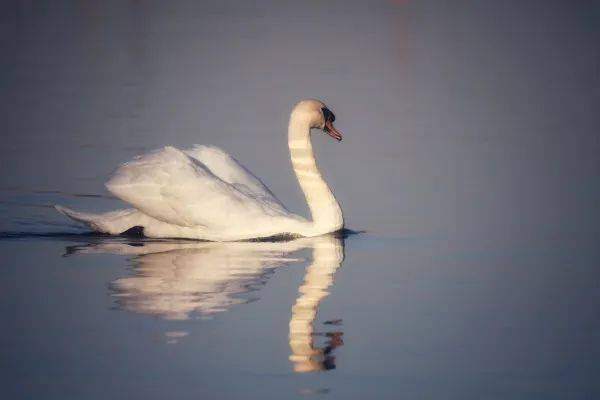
x: 462, y: 115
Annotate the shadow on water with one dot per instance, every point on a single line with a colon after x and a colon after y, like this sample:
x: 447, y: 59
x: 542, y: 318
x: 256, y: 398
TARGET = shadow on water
x: 135, y: 236
x: 42, y: 192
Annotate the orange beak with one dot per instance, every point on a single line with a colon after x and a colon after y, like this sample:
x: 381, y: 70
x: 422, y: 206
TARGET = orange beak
x: 331, y: 131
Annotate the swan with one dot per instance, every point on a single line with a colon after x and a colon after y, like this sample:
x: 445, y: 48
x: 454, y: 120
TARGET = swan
x: 204, y: 193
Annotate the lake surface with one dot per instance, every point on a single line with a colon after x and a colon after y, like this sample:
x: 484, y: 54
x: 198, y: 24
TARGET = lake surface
x: 469, y: 171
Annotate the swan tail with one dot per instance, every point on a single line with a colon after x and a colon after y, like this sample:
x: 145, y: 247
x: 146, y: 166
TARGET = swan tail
x: 113, y: 222
x: 84, y: 218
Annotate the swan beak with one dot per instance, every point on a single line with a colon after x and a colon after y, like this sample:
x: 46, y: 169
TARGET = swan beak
x: 331, y: 131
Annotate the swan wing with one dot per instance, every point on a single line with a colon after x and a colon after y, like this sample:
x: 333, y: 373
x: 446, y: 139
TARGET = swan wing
x: 230, y: 170
x: 178, y: 189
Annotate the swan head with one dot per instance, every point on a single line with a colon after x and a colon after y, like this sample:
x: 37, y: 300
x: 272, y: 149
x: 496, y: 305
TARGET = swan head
x: 317, y: 115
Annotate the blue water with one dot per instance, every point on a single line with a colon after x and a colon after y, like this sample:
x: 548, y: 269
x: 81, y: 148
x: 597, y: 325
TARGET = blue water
x: 468, y: 170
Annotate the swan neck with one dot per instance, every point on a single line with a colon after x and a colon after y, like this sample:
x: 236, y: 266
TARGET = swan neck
x: 324, y: 208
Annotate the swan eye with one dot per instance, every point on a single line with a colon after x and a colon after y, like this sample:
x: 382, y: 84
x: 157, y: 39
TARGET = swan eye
x: 329, y: 116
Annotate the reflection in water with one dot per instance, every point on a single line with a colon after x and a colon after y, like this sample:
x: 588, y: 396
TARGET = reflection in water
x: 176, y: 280
x: 328, y: 254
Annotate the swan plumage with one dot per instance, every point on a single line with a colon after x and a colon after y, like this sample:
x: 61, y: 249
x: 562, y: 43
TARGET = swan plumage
x: 204, y: 193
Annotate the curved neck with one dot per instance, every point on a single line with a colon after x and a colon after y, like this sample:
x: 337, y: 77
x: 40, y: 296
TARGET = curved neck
x: 324, y: 208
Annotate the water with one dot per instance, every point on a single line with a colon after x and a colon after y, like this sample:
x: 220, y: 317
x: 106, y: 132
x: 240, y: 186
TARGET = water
x: 469, y: 165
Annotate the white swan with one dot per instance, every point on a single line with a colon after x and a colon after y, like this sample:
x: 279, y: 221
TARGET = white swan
x: 204, y: 193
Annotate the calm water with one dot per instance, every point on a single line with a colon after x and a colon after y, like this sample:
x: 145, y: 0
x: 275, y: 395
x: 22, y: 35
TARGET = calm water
x: 470, y: 161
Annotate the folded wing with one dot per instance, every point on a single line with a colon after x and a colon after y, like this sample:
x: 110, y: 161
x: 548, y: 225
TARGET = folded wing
x: 230, y: 170
x: 181, y: 188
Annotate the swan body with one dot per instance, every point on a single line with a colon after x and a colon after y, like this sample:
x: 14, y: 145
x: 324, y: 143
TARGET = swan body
x: 204, y: 193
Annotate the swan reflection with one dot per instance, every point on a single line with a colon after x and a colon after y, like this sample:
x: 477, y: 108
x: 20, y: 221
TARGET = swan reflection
x: 180, y: 280
x: 327, y: 256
